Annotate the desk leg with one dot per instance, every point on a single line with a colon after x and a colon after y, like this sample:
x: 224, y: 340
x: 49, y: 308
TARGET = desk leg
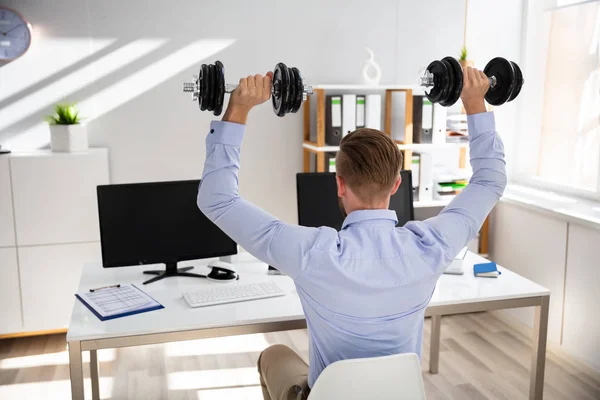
x: 538, y: 358
x: 434, y: 346
x: 94, y: 374
x: 76, y: 371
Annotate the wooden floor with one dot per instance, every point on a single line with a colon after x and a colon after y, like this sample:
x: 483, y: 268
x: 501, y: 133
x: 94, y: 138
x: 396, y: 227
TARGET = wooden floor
x: 482, y: 357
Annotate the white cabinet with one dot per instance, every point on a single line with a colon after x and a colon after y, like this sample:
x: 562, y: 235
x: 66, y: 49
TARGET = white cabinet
x: 10, y: 297
x: 48, y: 230
x: 55, y: 196
x: 7, y: 227
x: 563, y: 256
x: 581, y: 328
x: 49, y: 278
x: 532, y: 245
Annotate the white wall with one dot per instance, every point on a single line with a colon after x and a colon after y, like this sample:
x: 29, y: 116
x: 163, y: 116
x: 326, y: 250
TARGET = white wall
x: 494, y: 29
x: 124, y: 61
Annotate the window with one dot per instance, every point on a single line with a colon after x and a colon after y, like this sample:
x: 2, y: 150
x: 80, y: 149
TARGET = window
x: 561, y: 115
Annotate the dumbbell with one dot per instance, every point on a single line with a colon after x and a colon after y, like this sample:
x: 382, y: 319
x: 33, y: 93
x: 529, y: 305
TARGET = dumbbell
x: 288, y: 90
x: 442, y: 82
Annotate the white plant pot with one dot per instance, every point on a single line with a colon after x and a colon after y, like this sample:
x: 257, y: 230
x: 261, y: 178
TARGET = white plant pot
x: 68, y: 138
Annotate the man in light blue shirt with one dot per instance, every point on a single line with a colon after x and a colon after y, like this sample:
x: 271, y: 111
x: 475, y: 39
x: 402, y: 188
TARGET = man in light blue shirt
x: 363, y: 289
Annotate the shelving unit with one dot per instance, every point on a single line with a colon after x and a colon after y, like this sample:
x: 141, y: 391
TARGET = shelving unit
x: 320, y: 149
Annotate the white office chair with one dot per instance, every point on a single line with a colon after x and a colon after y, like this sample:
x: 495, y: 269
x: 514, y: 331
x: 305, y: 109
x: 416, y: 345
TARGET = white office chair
x: 383, y: 378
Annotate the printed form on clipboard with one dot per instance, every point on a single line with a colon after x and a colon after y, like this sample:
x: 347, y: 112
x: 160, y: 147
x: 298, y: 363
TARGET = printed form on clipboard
x: 117, y: 302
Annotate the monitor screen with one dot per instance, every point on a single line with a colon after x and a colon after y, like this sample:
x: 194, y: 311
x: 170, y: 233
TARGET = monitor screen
x: 318, y: 200
x: 147, y: 223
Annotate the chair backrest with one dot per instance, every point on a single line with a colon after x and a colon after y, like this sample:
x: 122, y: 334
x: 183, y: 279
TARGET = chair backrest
x: 389, y: 377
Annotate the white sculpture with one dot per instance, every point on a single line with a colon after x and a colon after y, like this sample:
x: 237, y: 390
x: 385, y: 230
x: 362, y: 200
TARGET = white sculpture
x: 371, y: 78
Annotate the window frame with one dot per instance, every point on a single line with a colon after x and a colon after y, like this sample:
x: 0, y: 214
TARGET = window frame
x: 536, y: 28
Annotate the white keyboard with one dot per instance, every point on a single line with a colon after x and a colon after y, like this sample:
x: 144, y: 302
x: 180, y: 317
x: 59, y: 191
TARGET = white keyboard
x: 232, y: 293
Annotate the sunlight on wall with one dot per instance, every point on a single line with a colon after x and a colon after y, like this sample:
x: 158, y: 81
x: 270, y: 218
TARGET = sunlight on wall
x: 246, y: 393
x: 79, y: 79
x: 60, y: 389
x: 54, y: 54
x: 595, y: 43
x: 222, y: 345
x: 151, y: 76
x: 121, y: 92
x: 52, y: 359
x: 213, y: 378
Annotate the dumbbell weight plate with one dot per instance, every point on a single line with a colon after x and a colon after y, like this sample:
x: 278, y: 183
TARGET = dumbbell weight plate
x: 518, y: 81
x: 281, y: 83
x: 440, y: 81
x: 212, y: 73
x: 210, y: 87
x: 299, y: 90
x: 450, y: 88
x: 456, y: 80
x: 503, y: 70
x: 292, y: 91
x: 220, y: 93
x: 203, y: 81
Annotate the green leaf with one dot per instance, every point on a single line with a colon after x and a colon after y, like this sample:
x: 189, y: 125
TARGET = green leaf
x: 65, y: 114
x: 463, y: 54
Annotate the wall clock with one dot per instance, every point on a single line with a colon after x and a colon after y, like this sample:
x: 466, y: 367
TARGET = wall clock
x: 15, y: 34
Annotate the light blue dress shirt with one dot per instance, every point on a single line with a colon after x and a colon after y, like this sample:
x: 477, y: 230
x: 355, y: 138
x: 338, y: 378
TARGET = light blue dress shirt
x: 363, y: 289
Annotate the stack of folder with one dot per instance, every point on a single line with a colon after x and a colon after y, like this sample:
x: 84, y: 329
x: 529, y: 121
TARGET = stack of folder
x: 448, y: 190
x: 449, y: 182
x: 345, y: 113
x: 457, y: 128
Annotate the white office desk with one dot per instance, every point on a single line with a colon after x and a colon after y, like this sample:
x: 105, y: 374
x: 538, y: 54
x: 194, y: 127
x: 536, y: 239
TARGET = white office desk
x: 176, y: 322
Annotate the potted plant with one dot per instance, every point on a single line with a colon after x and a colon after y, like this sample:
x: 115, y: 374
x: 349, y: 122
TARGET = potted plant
x: 67, y: 133
x: 464, y: 62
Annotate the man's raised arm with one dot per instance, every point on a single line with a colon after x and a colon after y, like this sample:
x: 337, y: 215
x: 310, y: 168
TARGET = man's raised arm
x: 282, y: 245
x: 460, y: 221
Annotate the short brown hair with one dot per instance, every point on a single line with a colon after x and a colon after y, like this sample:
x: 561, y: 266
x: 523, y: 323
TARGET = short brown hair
x: 369, y: 161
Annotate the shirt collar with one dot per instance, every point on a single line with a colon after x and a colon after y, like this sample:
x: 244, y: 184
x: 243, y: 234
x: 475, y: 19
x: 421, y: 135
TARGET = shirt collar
x: 369, y: 215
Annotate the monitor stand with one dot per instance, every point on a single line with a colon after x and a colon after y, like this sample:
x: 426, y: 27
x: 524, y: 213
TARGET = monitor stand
x: 171, y: 270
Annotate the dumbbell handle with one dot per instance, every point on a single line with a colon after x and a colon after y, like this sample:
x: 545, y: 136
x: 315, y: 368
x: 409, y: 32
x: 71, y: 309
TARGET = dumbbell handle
x: 426, y: 80
x: 193, y: 87
x: 230, y: 87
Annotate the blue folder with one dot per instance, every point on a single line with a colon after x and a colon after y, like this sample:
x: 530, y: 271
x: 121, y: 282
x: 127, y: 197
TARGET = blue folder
x: 486, y: 270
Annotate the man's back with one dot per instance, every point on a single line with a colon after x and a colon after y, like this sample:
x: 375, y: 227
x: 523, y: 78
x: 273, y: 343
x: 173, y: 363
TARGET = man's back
x: 366, y: 288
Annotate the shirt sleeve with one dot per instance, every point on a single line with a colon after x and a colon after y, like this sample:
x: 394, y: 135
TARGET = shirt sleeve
x: 284, y: 246
x: 460, y: 221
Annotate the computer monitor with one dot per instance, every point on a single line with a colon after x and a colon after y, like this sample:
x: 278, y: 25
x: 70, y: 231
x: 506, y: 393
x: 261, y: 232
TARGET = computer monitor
x: 149, y: 223
x: 318, y: 200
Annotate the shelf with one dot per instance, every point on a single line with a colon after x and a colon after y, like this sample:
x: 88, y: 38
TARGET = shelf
x: 342, y: 86
x: 414, y: 146
x: 431, y: 203
x: 416, y: 89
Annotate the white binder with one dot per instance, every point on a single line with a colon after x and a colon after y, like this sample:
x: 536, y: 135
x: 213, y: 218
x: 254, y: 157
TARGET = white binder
x: 373, y: 111
x: 398, y: 115
x: 360, y: 111
x: 348, y: 114
x: 426, y: 177
x: 439, y: 124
